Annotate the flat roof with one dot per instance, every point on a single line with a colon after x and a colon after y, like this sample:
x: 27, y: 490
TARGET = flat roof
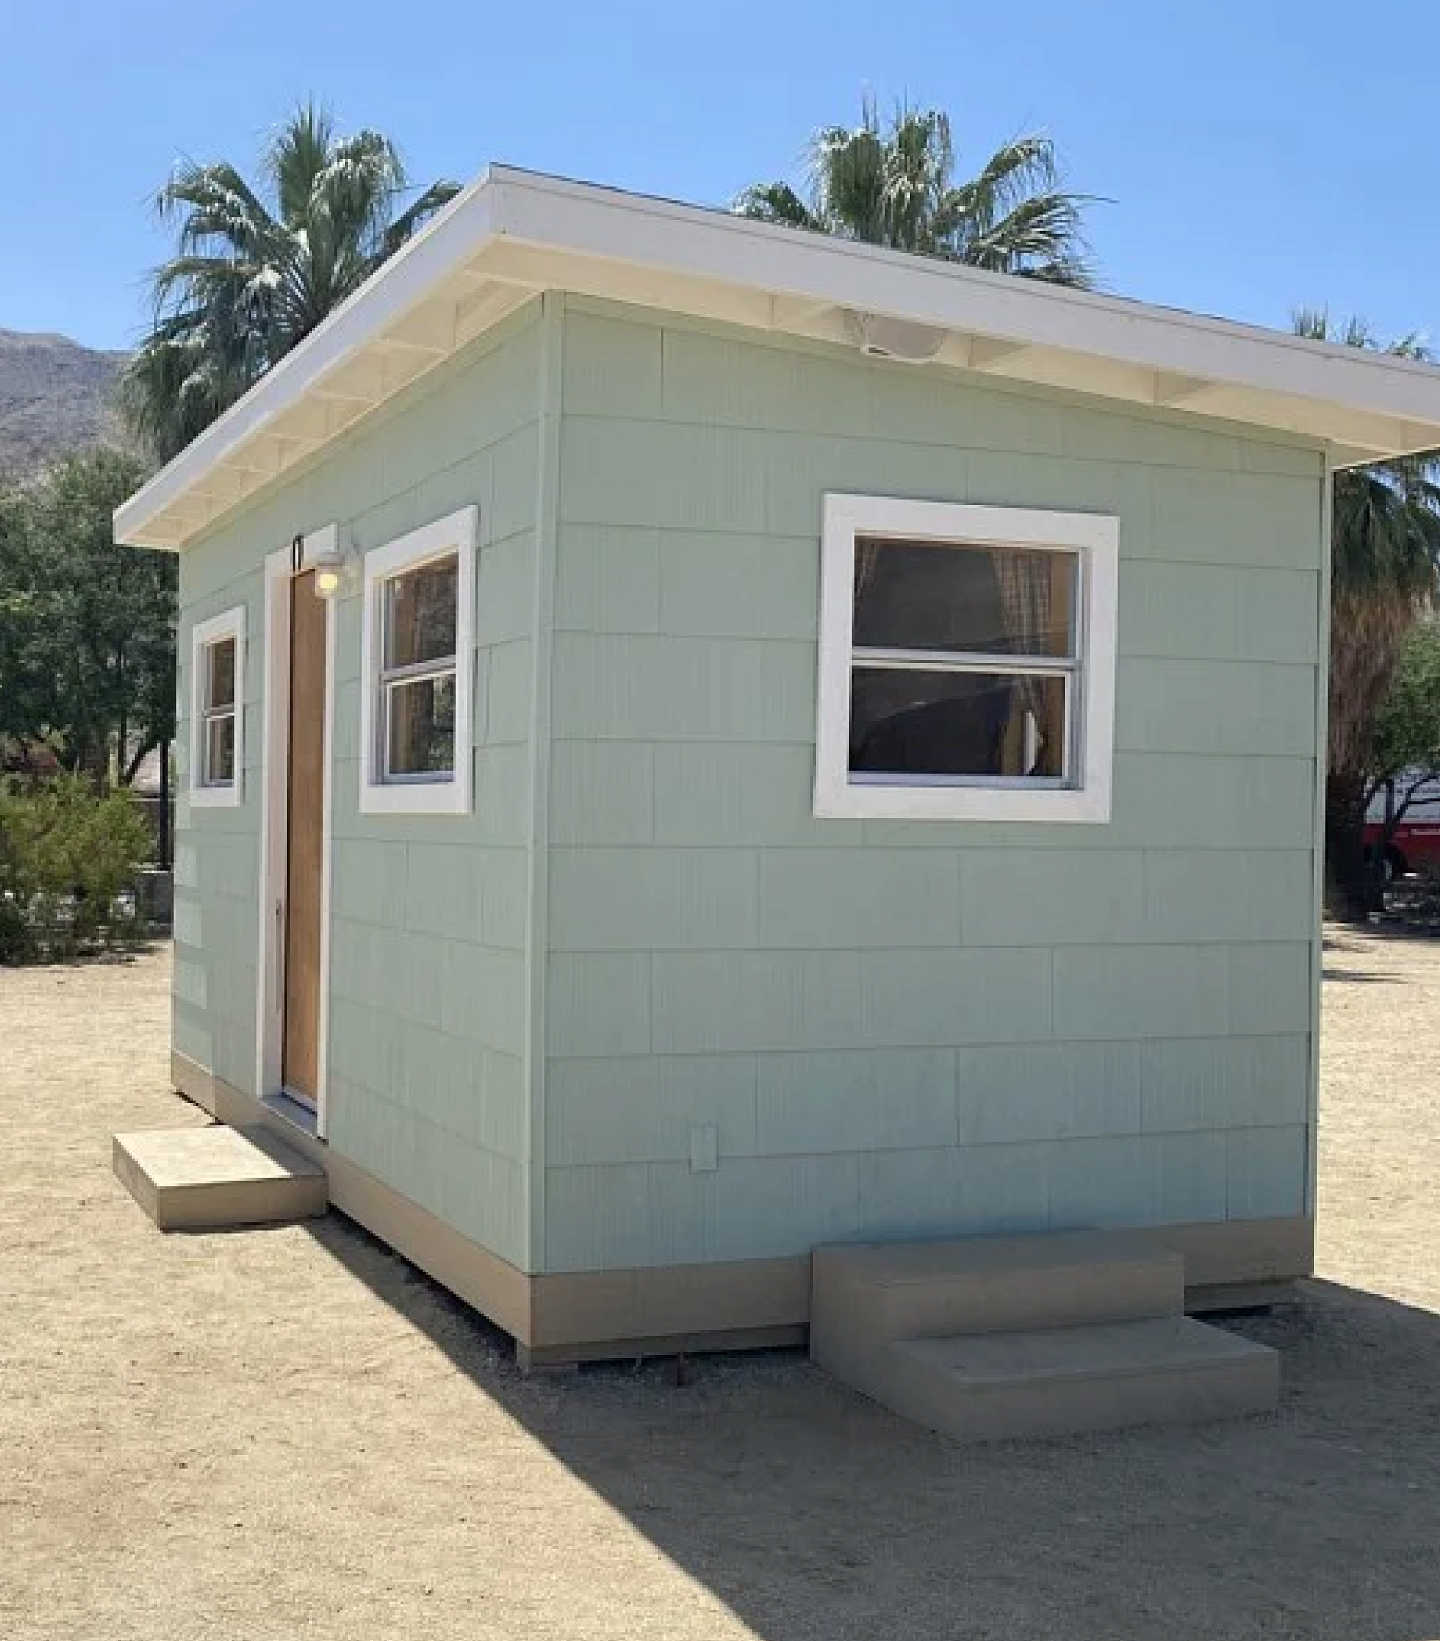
x: 513, y: 234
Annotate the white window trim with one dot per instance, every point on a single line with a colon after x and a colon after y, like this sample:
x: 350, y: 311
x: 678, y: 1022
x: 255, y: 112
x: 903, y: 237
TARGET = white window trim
x: 1093, y: 536
x: 229, y: 624
x: 456, y: 533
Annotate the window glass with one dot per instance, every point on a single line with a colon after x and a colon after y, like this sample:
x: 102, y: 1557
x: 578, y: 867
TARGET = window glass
x: 220, y: 658
x: 928, y: 616
x: 220, y: 750
x: 914, y: 723
x: 947, y: 596
x: 420, y: 726
x: 420, y: 613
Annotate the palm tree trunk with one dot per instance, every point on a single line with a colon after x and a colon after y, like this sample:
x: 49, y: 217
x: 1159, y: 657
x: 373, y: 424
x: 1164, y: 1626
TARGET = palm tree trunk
x: 1353, y: 889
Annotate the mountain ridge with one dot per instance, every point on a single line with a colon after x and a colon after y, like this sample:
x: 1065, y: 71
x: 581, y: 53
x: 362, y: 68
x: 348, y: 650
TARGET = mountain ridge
x: 56, y: 397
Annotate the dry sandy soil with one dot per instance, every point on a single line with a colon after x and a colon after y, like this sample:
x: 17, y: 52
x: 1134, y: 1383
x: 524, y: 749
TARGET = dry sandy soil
x: 289, y: 1433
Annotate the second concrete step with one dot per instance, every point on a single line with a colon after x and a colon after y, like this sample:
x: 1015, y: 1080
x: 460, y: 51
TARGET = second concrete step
x: 1163, y: 1370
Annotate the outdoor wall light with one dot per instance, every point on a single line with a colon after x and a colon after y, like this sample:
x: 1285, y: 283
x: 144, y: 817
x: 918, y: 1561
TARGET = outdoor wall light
x: 324, y: 554
x: 327, y: 580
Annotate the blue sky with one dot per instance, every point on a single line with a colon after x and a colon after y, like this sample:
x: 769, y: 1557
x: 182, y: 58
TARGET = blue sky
x: 1257, y: 155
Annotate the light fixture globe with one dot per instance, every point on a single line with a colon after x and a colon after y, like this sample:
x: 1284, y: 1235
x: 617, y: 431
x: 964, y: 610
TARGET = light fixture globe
x: 900, y: 339
x: 324, y: 555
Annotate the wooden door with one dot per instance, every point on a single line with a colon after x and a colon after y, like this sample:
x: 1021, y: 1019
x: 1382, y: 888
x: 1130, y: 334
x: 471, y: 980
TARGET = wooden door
x: 305, y: 840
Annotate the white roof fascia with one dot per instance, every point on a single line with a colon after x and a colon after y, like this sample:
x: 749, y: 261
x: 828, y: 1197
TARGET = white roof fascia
x: 568, y: 235
x: 712, y: 244
x: 445, y: 243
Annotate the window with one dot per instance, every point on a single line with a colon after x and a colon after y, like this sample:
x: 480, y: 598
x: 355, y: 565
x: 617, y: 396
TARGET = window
x: 217, y: 718
x: 416, y: 670
x: 967, y: 662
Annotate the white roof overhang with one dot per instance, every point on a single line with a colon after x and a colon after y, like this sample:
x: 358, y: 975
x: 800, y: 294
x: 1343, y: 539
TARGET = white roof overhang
x: 514, y: 234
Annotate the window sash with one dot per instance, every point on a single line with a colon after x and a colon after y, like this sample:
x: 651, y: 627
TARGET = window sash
x: 417, y: 670
x: 1069, y: 668
x: 210, y: 718
x: 388, y: 589
x: 215, y: 712
x: 1001, y: 783
x: 1019, y: 666
x: 215, y: 699
x: 209, y: 654
x: 436, y: 668
x: 1070, y: 671
x: 1052, y: 556
x: 391, y: 783
x: 396, y: 678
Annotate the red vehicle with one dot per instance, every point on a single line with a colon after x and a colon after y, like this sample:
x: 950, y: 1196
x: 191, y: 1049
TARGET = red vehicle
x: 1415, y: 846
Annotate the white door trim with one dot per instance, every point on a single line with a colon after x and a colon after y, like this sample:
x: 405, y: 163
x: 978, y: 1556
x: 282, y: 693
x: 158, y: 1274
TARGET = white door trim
x: 274, y: 766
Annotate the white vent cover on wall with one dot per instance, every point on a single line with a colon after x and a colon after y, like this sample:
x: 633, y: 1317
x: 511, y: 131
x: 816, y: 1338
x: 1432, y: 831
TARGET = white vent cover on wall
x: 902, y: 339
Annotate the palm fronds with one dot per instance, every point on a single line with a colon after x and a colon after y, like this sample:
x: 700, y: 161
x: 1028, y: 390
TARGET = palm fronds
x: 1385, y: 554
x: 257, y: 268
x: 777, y: 202
x: 891, y: 183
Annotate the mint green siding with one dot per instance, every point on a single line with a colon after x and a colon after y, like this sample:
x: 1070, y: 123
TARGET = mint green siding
x: 539, y: 1012
x: 899, y: 1028
x: 429, y: 1068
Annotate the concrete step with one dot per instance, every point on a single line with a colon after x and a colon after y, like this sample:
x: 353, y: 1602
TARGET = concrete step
x: 194, y: 1178
x: 878, y: 1291
x: 1060, y: 1381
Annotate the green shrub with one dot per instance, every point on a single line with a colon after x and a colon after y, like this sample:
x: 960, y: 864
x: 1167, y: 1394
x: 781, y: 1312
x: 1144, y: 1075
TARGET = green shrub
x: 68, y: 863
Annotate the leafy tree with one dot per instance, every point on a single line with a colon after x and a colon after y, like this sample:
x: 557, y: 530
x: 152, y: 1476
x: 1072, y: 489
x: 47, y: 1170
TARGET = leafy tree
x: 25, y: 690
x: 1385, y: 548
x: 258, y: 267
x: 67, y: 854
x: 893, y: 184
x: 87, y: 628
x: 1406, y: 751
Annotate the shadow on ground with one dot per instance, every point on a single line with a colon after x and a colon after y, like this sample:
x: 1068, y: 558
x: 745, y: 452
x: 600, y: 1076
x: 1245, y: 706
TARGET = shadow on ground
x: 1409, y: 910
x: 812, y: 1513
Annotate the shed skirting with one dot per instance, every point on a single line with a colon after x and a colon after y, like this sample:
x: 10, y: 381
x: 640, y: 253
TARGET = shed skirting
x: 589, y: 1315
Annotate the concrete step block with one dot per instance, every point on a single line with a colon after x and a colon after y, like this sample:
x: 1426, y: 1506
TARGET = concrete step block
x: 194, y: 1178
x: 1062, y: 1381
x: 879, y: 1291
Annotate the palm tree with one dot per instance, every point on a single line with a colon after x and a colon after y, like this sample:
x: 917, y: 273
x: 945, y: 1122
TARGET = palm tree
x: 1384, y: 556
x: 894, y: 185
x: 257, y: 268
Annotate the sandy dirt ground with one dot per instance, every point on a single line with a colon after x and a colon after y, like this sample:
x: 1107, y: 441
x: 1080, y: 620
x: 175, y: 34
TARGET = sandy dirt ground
x: 290, y: 1433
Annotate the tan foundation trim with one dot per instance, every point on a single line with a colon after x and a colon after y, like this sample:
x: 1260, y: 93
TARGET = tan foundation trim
x: 1242, y: 1251
x: 669, y: 1302
x: 583, y: 1309
x: 734, y: 1305
x: 610, y: 1350
x: 193, y: 1081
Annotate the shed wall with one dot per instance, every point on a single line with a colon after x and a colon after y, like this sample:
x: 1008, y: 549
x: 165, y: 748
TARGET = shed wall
x: 428, y: 1061
x: 905, y: 1028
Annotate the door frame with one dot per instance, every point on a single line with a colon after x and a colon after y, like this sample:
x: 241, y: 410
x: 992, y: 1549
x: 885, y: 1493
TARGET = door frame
x: 280, y: 571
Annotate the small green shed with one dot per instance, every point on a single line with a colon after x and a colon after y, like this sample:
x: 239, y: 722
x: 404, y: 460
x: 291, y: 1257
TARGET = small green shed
x: 702, y: 741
